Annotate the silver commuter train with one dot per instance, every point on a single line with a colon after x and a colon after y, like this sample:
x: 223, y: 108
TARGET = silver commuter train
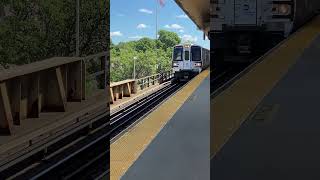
x: 248, y: 26
x: 189, y: 60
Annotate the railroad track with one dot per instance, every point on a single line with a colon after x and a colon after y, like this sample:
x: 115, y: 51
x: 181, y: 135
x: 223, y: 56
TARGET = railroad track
x: 73, y: 157
x: 85, y: 155
x: 220, y: 79
x: 123, y: 119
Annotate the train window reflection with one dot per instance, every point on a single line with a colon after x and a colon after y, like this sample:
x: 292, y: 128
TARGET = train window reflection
x: 196, y: 53
x: 177, y: 54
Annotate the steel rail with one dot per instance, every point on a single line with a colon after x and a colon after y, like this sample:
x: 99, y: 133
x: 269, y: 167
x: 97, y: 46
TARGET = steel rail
x: 93, y: 145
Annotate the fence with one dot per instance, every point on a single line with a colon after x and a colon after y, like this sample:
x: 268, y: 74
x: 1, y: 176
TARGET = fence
x: 46, y: 86
x: 96, y: 70
x: 126, y: 88
x: 148, y: 81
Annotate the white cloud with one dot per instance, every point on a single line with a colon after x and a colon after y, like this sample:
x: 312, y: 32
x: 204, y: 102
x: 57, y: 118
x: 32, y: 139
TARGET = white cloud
x: 181, y: 30
x: 135, y: 37
x: 142, y: 26
x: 173, y: 26
x: 119, y: 14
x: 145, y: 11
x: 189, y: 38
x: 182, y: 16
x: 116, y: 33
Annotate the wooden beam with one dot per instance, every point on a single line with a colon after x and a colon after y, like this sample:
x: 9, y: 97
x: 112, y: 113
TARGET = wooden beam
x: 84, y: 78
x: 62, y: 93
x: 55, y: 95
x: 134, y: 87
x: 121, y: 91
x: 24, y: 97
x: 127, y: 90
x: 74, y: 91
x: 14, y: 92
x: 64, y: 76
x: 6, y: 120
x: 37, y: 67
x: 111, y: 96
x: 33, y: 104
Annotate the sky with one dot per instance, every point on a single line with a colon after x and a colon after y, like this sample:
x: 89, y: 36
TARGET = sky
x: 134, y: 19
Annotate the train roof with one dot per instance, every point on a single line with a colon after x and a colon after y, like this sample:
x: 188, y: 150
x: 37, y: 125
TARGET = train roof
x: 187, y: 44
x: 190, y: 45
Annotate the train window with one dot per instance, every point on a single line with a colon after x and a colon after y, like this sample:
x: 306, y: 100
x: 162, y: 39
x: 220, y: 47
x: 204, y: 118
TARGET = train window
x: 186, y: 55
x: 177, y: 54
x: 196, y: 53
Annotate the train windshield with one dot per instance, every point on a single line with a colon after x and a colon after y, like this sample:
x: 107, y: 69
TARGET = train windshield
x: 196, y: 53
x: 177, y: 54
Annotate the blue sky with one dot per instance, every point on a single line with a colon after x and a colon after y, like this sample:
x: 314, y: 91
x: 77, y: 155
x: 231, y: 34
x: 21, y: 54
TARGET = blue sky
x: 134, y: 19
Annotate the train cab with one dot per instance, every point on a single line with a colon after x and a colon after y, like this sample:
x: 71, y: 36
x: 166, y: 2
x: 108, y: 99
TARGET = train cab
x: 189, y: 60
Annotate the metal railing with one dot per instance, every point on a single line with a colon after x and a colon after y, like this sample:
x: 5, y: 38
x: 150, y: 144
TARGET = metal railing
x: 125, y: 88
x: 96, y: 68
x: 148, y: 81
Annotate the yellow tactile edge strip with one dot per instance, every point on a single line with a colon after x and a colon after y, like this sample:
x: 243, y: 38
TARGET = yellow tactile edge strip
x: 125, y: 151
x: 234, y: 105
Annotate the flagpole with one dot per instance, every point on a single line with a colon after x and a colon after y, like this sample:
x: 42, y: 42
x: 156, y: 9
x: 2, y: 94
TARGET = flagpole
x: 156, y: 19
x: 158, y: 68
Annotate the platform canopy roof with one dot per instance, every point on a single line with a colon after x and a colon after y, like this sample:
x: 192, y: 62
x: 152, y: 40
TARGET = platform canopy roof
x: 198, y: 11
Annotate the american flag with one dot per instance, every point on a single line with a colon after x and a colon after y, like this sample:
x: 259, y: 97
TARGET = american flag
x: 161, y: 2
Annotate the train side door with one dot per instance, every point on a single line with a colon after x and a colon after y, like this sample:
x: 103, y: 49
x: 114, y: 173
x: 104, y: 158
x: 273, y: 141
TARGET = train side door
x: 186, y: 58
x: 245, y: 12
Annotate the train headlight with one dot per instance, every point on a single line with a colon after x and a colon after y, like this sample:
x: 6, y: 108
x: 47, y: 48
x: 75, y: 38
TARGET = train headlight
x: 175, y: 64
x: 197, y: 64
x: 284, y: 9
x: 281, y: 9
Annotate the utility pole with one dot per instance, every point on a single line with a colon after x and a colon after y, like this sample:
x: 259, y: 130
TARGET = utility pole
x: 134, y: 67
x: 78, y: 29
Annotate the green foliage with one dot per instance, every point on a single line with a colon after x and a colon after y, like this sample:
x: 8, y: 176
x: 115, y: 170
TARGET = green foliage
x: 152, y: 56
x: 144, y: 44
x: 36, y: 30
x: 168, y: 39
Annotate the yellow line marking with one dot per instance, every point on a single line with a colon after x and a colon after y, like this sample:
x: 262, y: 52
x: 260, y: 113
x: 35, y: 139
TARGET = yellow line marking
x: 233, y: 106
x: 126, y: 150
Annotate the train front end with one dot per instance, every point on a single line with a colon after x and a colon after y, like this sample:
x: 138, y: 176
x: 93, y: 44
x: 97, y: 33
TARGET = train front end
x: 249, y: 27
x: 186, y: 61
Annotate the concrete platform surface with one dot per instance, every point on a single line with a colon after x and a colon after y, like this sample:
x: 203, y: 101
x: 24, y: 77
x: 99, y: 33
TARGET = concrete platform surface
x: 281, y: 139
x: 181, y: 150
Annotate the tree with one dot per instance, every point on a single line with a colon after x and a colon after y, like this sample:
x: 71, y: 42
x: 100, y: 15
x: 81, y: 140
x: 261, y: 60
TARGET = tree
x: 168, y: 39
x: 150, y: 59
x: 37, y: 30
x: 145, y: 44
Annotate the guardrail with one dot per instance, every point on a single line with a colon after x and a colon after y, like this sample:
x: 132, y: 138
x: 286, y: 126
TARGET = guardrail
x: 126, y: 88
x: 121, y: 89
x: 46, y: 86
x: 94, y: 62
x: 96, y: 76
x: 154, y: 79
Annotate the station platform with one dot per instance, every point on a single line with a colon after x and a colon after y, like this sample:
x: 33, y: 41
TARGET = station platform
x: 172, y: 142
x: 274, y: 127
